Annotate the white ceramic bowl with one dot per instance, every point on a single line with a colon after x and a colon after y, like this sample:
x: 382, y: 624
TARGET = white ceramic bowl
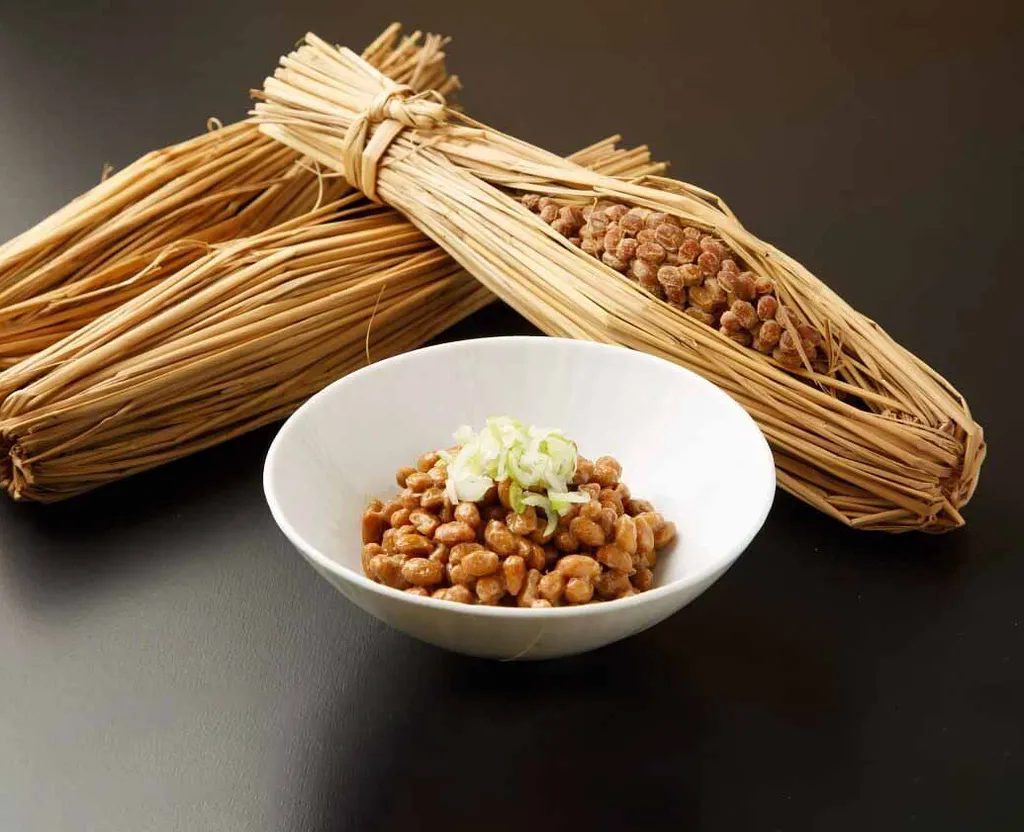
x: 683, y: 444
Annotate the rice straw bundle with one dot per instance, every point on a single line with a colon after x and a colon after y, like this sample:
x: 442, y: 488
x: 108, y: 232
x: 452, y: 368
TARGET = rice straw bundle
x: 164, y: 210
x: 877, y: 439
x: 234, y: 340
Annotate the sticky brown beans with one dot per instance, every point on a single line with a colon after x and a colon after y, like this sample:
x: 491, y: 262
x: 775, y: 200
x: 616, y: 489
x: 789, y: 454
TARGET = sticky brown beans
x: 460, y: 550
x: 454, y: 532
x: 566, y: 542
x: 607, y: 521
x: 541, y: 534
x: 457, y: 574
x: 584, y: 471
x: 529, y: 592
x: 578, y: 566
x: 427, y: 461
x: 636, y: 506
x: 643, y: 580
x: 387, y: 569
x: 459, y: 594
x: 644, y: 536
x: 418, y: 482
x: 432, y: 499
x: 522, y: 524
x: 500, y: 539
x: 479, y: 563
x: 614, y: 558
x: 482, y: 552
x: 370, y: 550
x: 609, y: 498
x: 606, y: 471
x: 422, y: 571
x: 653, y: 519
x: 417, y: 590
x: 587, y: 531
x: 579, y: 591
x: 400, y: 518
x: 612, y: 584
x: 468, y: 513
x: 537, y: 558
x: 625, y: 534
x: 616, y: 211
x: 503, y: 493
x: 438, y: 475
x: 530, y: 552
x: 665, y: 535
x: 614, y: 262
x: 409, y: 499
x: 551, y: 587
x: 551, y: 556
x: 513, y: 569
x: 490, y: 590
x: 565, y: 519
x: 413, y: 545
x: 424, y: 522
x: 373, y: 526
x: 493, y: 512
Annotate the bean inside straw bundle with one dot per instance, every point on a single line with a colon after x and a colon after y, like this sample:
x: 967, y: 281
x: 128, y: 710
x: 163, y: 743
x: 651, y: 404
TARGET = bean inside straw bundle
x: 233, y: 340
x: 876, y: 439
x: 165, y: 209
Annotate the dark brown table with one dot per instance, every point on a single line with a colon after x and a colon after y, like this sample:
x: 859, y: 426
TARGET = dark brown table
x: 169, y: 663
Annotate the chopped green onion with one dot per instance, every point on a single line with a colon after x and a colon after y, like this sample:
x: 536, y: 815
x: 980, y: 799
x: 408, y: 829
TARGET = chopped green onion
x: 515, y: 498
x: 537, y: 460
x: 540, y: 501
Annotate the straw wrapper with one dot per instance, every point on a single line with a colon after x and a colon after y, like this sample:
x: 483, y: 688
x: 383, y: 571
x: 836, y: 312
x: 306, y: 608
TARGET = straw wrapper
x: 166, y: 209
x: 878, y: 441
x: 236, y: 339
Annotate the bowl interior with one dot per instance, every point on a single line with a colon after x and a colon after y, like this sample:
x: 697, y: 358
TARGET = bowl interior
x: 683, y: 444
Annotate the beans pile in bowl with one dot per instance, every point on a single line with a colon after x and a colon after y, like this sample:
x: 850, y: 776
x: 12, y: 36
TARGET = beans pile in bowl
x: 513, y: 516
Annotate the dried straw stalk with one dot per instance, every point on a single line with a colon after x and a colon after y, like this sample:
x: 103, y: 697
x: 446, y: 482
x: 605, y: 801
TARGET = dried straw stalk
x: 234, y: 340
x: 881, y: 441
x: 164, y: 210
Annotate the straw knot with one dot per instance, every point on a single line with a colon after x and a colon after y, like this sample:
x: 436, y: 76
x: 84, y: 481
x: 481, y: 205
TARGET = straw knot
x: 391, y: 104
x: 392, y: 110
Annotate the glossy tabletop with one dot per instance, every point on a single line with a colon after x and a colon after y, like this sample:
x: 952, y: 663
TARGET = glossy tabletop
x: 169, y: 662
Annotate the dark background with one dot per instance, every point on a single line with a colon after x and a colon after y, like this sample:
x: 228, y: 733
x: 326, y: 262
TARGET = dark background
x: 168, y: 662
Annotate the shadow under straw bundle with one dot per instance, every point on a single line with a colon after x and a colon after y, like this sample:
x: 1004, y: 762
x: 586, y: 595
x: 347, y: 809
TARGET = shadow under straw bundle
x: 233, y: 340
x: 164, y: 210
x: 861, y: 428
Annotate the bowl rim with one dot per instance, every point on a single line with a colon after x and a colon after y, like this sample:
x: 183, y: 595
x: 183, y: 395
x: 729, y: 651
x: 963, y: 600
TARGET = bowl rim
x: 762, y: 456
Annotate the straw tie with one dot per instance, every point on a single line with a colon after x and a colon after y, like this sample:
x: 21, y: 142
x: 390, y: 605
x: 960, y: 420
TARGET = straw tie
x: 395, y: 108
